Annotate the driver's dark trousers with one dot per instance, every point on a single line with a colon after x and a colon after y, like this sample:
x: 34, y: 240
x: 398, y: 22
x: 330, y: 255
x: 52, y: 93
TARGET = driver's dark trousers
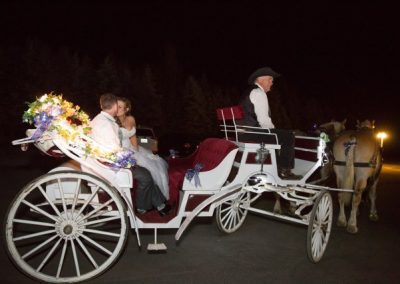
x: 285, y: 157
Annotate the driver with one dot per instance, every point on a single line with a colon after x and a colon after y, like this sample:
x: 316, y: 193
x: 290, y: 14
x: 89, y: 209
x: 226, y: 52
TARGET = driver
x: 257, y: 113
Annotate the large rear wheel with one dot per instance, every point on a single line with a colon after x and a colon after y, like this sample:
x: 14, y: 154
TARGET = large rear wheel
x: 66, y: 227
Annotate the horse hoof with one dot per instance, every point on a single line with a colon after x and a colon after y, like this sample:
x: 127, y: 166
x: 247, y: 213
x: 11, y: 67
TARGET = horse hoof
x: 352, y: 229
x: 373, y: 217
x: 341, y: 223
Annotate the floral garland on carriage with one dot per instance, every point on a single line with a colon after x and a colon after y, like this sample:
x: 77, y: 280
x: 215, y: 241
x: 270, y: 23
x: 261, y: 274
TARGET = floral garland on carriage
x: 52, y: 113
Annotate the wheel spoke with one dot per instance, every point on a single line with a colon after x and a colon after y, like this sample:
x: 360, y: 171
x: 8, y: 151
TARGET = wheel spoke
x: 34, y: 235
x: 61, y: 262
x: 61, y: 190
x: 234, y: 222
x: 102, y: 233
x: 318, y: 243
x: 87, y: 253
x: 225, y: 209
x: 34, y: 207
x: 38, y: 247
x: 231, y: 220
x: 48, y: 255
x: 49, y: 201
x: 226, y: 215
x: 228, y: 219
x: 104, y: 220
x: 243, y: 197
x: 96, y: 244
x: 78, y: 273
x: 76, y: 194
x: 87, y: 202
x: 96, y: 210
x: 23, y: 221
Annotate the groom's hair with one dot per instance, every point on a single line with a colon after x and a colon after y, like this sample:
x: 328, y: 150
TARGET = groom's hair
x: 107, y: 101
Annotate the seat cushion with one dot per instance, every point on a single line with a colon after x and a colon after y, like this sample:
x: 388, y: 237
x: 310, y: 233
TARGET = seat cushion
x: 210, y: 154
x: 212, y: 151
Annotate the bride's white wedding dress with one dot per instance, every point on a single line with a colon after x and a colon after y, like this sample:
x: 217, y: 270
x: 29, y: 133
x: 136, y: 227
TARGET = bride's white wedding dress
x: 156, y: 165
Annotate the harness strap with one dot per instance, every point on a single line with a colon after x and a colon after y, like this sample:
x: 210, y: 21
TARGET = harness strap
x: 360, y: 165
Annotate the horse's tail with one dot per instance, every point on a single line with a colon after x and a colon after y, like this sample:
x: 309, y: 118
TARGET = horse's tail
x: 348, y: 181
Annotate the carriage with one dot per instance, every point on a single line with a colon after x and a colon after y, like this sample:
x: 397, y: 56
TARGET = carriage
x: 72, y: 223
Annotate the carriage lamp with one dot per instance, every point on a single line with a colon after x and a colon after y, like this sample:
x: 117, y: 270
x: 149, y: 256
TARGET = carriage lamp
x: 382, y: 136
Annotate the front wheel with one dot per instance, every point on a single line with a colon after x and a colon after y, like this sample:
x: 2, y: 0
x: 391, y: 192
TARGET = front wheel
x: 231, y: 214
x: 319, y: 227
x: 66, y: 227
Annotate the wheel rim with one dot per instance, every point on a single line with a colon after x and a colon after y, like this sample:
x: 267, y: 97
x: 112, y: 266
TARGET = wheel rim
x: 232, y: 213
x: 320, y: 227
x: 58, y: 229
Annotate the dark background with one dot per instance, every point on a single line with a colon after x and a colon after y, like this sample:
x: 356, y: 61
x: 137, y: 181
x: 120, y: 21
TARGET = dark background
x: 177, y: 61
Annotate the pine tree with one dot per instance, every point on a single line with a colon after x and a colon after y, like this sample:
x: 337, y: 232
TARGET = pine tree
x: 197, y: 118
x: 108, y: 77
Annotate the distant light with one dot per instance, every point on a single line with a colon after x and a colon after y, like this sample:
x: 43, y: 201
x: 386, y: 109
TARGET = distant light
x: 382, y: 136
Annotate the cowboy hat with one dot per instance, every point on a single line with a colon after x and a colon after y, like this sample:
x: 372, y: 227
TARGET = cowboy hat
x: 265, y: 71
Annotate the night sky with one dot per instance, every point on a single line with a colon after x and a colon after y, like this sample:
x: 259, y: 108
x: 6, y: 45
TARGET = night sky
x: 346, y: 54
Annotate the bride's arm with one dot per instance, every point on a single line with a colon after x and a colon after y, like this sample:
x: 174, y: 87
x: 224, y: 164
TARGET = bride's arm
x: 132, y: 123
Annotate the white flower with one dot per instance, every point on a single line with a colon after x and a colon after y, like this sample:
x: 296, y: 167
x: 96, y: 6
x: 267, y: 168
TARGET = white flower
x: 43, y: 98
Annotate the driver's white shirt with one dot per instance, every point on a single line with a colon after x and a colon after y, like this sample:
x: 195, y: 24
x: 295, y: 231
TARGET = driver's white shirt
x: 105, y: 131
x: 261, y: 107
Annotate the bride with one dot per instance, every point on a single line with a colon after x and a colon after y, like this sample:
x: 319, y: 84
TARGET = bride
x: 144, y: 158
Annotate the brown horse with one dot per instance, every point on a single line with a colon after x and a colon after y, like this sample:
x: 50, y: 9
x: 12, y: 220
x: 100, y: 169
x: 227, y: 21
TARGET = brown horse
x: 358, y: 162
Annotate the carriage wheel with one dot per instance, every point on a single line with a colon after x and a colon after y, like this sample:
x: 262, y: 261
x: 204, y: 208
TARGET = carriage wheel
x: 231, y: 214
x: 319, y: 228
x: 57, y: 231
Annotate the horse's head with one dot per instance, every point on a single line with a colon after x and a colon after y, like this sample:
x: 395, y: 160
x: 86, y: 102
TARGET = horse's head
x: 333, y: 128
x: 365, y: 124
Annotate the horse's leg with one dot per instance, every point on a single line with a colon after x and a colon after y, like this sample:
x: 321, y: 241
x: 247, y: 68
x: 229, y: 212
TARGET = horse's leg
x: 277, y: 206
x: 341, y: 222
x: 373, y: 213
x: 358, y: 189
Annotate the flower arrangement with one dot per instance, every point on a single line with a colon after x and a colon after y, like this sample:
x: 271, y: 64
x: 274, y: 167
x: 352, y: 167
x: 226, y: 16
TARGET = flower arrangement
x: 52, y: 113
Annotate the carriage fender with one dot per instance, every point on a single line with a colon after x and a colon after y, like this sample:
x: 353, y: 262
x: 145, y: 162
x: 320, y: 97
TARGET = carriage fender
x: 215, y: 199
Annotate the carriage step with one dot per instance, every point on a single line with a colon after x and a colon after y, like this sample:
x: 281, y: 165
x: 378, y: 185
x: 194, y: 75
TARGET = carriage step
x: 159, y: 247
x: 156, y: 247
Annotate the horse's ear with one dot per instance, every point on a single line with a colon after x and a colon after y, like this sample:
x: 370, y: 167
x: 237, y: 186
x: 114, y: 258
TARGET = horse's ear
x: 344, y: 121
x: 373, y: 124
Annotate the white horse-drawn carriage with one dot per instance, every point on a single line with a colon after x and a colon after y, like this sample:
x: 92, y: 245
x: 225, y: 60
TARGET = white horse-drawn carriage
x: 72, y: 223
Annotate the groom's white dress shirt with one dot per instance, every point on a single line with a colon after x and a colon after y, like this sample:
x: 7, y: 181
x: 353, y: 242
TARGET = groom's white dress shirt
x: 105, y: 131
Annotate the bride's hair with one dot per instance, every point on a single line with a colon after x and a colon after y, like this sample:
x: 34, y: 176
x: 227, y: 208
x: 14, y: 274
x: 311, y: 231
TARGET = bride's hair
x: 128, y: 106
x: 127, y: 103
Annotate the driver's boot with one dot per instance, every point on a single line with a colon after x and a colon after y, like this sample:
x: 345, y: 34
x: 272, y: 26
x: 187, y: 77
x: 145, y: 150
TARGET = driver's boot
x: 287, y: 174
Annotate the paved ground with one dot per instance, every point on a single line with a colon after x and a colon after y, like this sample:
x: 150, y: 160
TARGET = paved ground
x: 262, y: 251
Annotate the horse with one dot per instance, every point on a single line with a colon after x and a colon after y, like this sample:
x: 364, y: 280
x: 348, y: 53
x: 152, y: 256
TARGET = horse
x: 357, y: 165
x: 332, y: 129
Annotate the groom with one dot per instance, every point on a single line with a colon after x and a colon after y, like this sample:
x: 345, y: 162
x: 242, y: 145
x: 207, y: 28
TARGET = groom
x: 105, y: 130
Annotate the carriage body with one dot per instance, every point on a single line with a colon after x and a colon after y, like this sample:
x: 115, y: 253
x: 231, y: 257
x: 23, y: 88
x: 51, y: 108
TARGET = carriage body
x: 81, y: 198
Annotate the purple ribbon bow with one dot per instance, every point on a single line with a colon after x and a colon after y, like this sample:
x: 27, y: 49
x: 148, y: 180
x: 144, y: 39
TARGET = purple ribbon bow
x: 42, y: 121
x: 194, y: 173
